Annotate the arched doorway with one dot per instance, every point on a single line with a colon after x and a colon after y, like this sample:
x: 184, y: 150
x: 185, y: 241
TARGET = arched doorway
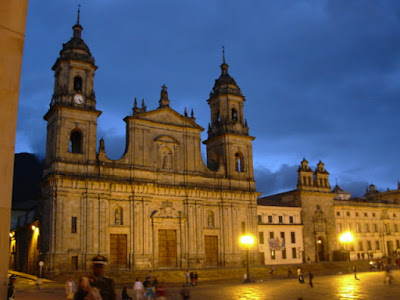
x: 320, y: 249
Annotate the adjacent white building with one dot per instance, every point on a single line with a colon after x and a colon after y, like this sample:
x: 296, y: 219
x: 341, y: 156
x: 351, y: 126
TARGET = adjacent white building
x: 280, y: 232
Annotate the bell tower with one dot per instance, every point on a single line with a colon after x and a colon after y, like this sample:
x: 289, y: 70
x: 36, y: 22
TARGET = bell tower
x: 72, y: 116
x: 228, y: 145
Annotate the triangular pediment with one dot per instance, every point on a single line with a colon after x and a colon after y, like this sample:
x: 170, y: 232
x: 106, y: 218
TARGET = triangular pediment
x: 167, y: 115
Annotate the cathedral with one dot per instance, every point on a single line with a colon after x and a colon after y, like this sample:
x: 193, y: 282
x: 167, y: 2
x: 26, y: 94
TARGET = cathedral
x: 159, y: 205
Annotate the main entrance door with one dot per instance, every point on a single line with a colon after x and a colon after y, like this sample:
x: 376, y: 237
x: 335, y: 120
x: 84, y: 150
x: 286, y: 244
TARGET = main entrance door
x: 320, y: 249
x: 211, y: 249
x: 118, y: 250
x: 167, y: 248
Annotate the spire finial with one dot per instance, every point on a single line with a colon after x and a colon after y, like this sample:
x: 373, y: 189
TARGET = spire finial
x: 79, y: 12
x: 223, y: 54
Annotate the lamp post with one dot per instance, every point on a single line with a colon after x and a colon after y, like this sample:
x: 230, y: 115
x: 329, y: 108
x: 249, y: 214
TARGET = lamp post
x: 346, y: 238
x: 247, y: 241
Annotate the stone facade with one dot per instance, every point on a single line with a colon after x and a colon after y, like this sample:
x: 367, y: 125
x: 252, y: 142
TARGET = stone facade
x: 373, y: 220
x: 159, y: 206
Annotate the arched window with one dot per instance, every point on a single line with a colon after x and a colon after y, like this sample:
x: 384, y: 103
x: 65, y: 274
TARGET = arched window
x: 78, y: 83
x: 239, y: 162
x: 75, y: 142
x: 234, y: 115
x: 118, y: 217
x: 210, y: 219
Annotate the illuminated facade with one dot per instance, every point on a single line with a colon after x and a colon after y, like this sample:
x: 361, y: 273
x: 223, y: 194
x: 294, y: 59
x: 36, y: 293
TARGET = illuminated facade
x: 159, y: 206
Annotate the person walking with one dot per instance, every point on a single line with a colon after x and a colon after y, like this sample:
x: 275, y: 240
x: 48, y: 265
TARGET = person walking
x: 300, y: 275
x: 70, y: 288
x: 187, y: 277
x: 185, y: 293
x: 138, y: 289
x: 272, y: 271
x: 125, y: 295
x: 311, y: 276
x: 85, y: 291
x: 388, y: 276
x: 290, y: 274
x: 11, y: 288
x: 355, y: 272
x: 196, y: 277
x: 104, y: 284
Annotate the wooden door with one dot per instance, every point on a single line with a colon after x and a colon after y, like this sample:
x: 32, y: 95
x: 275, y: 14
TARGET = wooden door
x: 118, y: 250
x: 211, y: 249
x: 167, y: 248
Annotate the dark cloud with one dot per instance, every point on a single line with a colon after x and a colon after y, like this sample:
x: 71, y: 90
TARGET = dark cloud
x: 320, y: 77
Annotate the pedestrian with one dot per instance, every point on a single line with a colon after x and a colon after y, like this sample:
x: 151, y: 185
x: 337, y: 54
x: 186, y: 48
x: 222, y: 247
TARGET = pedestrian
x: 196, y: 278
x: 70, y: 288
x: 300, y: 275
x: 104, y: 284
x: 289, y: 274
x: 185, y: 293
x: 191, y: 275
x: 311, y: 276
x: 161, y: 292
x: 11, y: 288
x: 388, y: 276
x: 149, y: 291
x: 187, y: 277
x: 85, y: 291
x: 272, y: 271
x: 355, y: 271
x: 138, y: 289
x: 148, y: 276
x: 155, y: 284
x: 125, y: 295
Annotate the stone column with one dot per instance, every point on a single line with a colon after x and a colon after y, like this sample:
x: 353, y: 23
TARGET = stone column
x: 12, y: 35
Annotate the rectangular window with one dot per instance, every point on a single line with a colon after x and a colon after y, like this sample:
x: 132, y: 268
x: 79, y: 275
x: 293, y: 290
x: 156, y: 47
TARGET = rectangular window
x: 360, y: 246
x: 293, y: 237
x: 396, y: 227
x: 357, y: 227
x: 272, y: 254
x: 282, y: 235
x: 365, y: 214
x: 339, y: 227
x: 261, y: 237
x: 259, y: 219
x: 243, y: 227
x: 375, y: 227
x: 294, y: 253
x: 377, y: 245
x: 348, y: 214
x: 73, y: 224
x: 284, y: 254
x: 271, y: 235
x: 366, y: 227
x: 291, y: 220
x: 356, y: 214
x: 280, y: 219
x: 369, y: 246
x: 269, y: 219
x: 397, y: 244
x: 373, y: 214
x: 338, y: 213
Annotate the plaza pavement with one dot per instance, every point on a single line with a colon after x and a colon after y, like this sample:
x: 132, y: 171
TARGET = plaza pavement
x: 370, y: 286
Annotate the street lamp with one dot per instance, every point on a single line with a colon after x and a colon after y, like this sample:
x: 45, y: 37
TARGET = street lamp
x: 346, y: 238
x: 247, y: 241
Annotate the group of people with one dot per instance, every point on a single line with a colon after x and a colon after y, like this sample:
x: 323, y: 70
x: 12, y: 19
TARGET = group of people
x: 191, y: 278
x: 149, y: 289
x: 92, y: 287
x: 300, y: 275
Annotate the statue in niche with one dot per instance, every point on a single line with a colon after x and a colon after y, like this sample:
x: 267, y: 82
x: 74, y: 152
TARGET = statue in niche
x: 118, y: 216
x: 166, y: 160
x: 210, y: 219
